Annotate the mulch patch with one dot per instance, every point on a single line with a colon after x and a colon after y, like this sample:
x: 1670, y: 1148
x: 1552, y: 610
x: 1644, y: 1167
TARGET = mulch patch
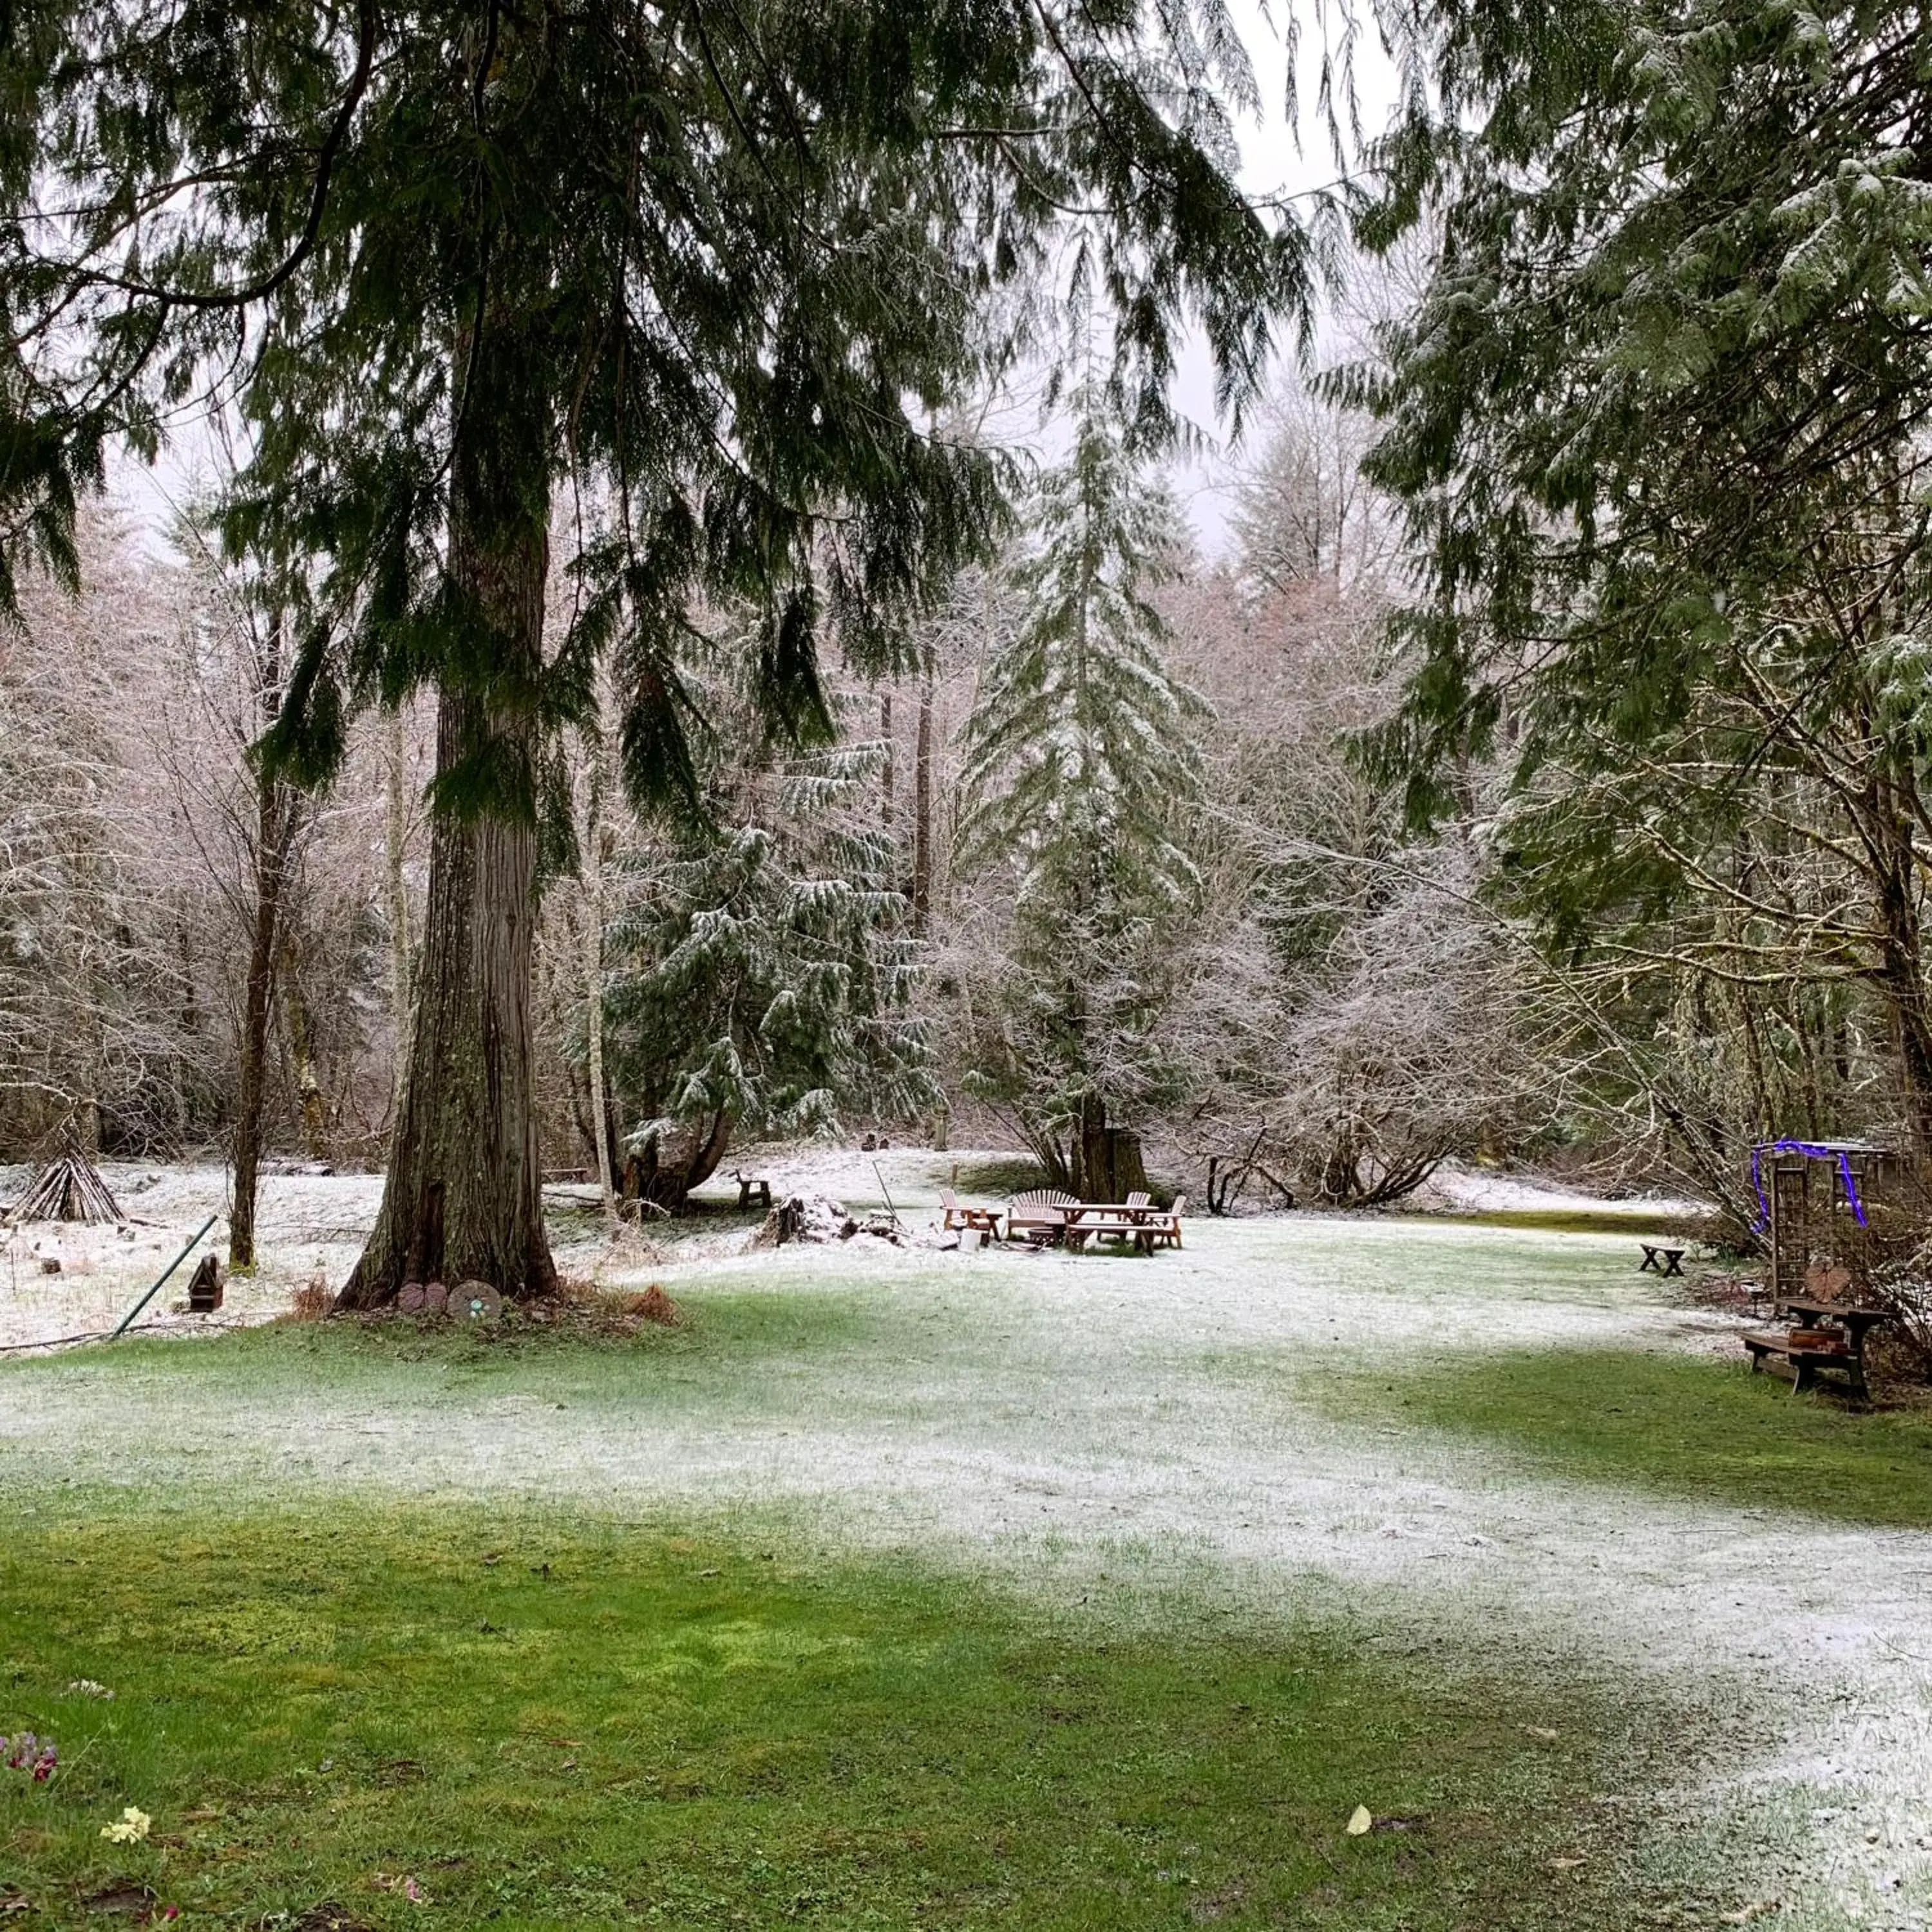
x: 577, y: 1311
x: 330, y: 1917
x: 136, y: 1902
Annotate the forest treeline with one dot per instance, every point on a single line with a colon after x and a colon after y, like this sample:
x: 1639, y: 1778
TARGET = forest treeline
x: 614, y: 705
x: 1111, y: 875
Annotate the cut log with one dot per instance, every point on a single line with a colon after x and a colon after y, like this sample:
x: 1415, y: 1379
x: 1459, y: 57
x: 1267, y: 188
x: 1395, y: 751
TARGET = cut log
x: 476, y: 1301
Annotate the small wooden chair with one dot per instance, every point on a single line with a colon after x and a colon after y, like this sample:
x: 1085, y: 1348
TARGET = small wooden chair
x: 981, y: 1221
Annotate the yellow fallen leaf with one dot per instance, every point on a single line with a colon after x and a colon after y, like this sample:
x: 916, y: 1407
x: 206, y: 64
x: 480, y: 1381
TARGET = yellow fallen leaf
x: 1360, y: 1820
x: 1565, y: 1864
x: 1542, y: 1735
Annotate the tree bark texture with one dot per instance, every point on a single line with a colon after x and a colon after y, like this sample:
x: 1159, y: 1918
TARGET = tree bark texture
x: 1107, y: 1161
x: 665, y: 1169
x: 275, y: 833
x: 463, y: 1200
x: 1901, y: 977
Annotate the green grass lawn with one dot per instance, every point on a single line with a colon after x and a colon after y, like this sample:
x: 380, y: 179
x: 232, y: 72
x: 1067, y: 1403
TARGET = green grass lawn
x: 529, y: 1719
x: 1672, y: 1424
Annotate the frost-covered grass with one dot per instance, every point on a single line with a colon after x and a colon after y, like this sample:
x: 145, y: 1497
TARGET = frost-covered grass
x: 429, y: 1716
x: 1681, y: 1425
x: 1205, y: 1447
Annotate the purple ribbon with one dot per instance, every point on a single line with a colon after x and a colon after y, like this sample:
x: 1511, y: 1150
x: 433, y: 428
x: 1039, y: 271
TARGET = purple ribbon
x: 1812, y: 1151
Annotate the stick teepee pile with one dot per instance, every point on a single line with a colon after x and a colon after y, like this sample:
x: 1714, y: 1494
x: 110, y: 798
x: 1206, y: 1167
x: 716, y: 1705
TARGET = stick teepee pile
x: 66, y: 1190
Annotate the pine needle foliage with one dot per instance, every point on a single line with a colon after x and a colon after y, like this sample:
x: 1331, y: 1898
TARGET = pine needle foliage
x: 1661, y: 425
x: 1082, y: 768
x: 721, y: 261
x: 762, y: 960
x: 1673, y: 362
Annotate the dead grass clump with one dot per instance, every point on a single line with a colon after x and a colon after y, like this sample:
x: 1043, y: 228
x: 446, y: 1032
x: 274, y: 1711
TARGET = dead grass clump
x: 311, y: 1301
x: 654, y: 1305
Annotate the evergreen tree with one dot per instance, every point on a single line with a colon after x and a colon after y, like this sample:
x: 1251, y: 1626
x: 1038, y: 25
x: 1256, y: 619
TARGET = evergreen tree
x: 722, y: 261
x: 761, y: 961
x: 1081, y: 767
x: 1660, y: 424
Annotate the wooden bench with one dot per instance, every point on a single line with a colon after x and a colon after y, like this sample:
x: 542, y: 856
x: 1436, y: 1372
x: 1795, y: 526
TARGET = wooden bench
x: 1104, y: 1221
x: 1039, y: 1216
x: 1807, y: 1364
x: 752, y: 1190
x: 1844, y: 1357
x: 1660, y: 1260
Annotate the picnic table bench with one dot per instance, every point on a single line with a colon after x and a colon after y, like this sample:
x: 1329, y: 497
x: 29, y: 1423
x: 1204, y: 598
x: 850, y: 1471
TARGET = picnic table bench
x: 1835, y: 1342
x: 750, y: 1185
x: 1660, y: 1260
x: 1121, y: 1223
x: 1065, y: 1221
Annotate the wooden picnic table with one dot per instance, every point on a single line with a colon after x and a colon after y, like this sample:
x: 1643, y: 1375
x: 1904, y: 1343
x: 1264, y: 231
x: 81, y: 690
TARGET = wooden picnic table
x: 1118, y: 1221
x: 1808, y: 1364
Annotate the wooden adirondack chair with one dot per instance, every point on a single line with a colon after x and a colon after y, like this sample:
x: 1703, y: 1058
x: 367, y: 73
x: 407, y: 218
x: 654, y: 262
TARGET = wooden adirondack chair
x: 1166, y: 1231
x: 1037, y: 1215
x: 969, y: 1220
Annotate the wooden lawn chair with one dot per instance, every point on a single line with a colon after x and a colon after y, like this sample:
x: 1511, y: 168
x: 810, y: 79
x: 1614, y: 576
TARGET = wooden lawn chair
x: 1165, y: 1232
x: 1039, y: 1215
x: 984, y: 1222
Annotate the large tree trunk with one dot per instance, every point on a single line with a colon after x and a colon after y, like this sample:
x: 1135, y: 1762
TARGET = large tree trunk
x: 1107, y: 1163
x: 1902, y: 978
x: 463, y: 1198
x: 664, y: 1168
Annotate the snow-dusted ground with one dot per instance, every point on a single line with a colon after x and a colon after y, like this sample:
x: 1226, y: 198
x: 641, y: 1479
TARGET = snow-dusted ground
x: 1483, y: 1190
x: 1114, y: 1431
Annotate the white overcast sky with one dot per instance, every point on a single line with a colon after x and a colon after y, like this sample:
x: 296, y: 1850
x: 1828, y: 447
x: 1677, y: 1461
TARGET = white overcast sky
x: 1272, y: 163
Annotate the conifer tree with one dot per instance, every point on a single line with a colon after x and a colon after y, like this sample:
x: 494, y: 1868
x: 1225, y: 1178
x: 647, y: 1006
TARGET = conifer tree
x: 721, y: 262
x: 1082, y: 768
x: 1660, y: 426
x: 761, y: 958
